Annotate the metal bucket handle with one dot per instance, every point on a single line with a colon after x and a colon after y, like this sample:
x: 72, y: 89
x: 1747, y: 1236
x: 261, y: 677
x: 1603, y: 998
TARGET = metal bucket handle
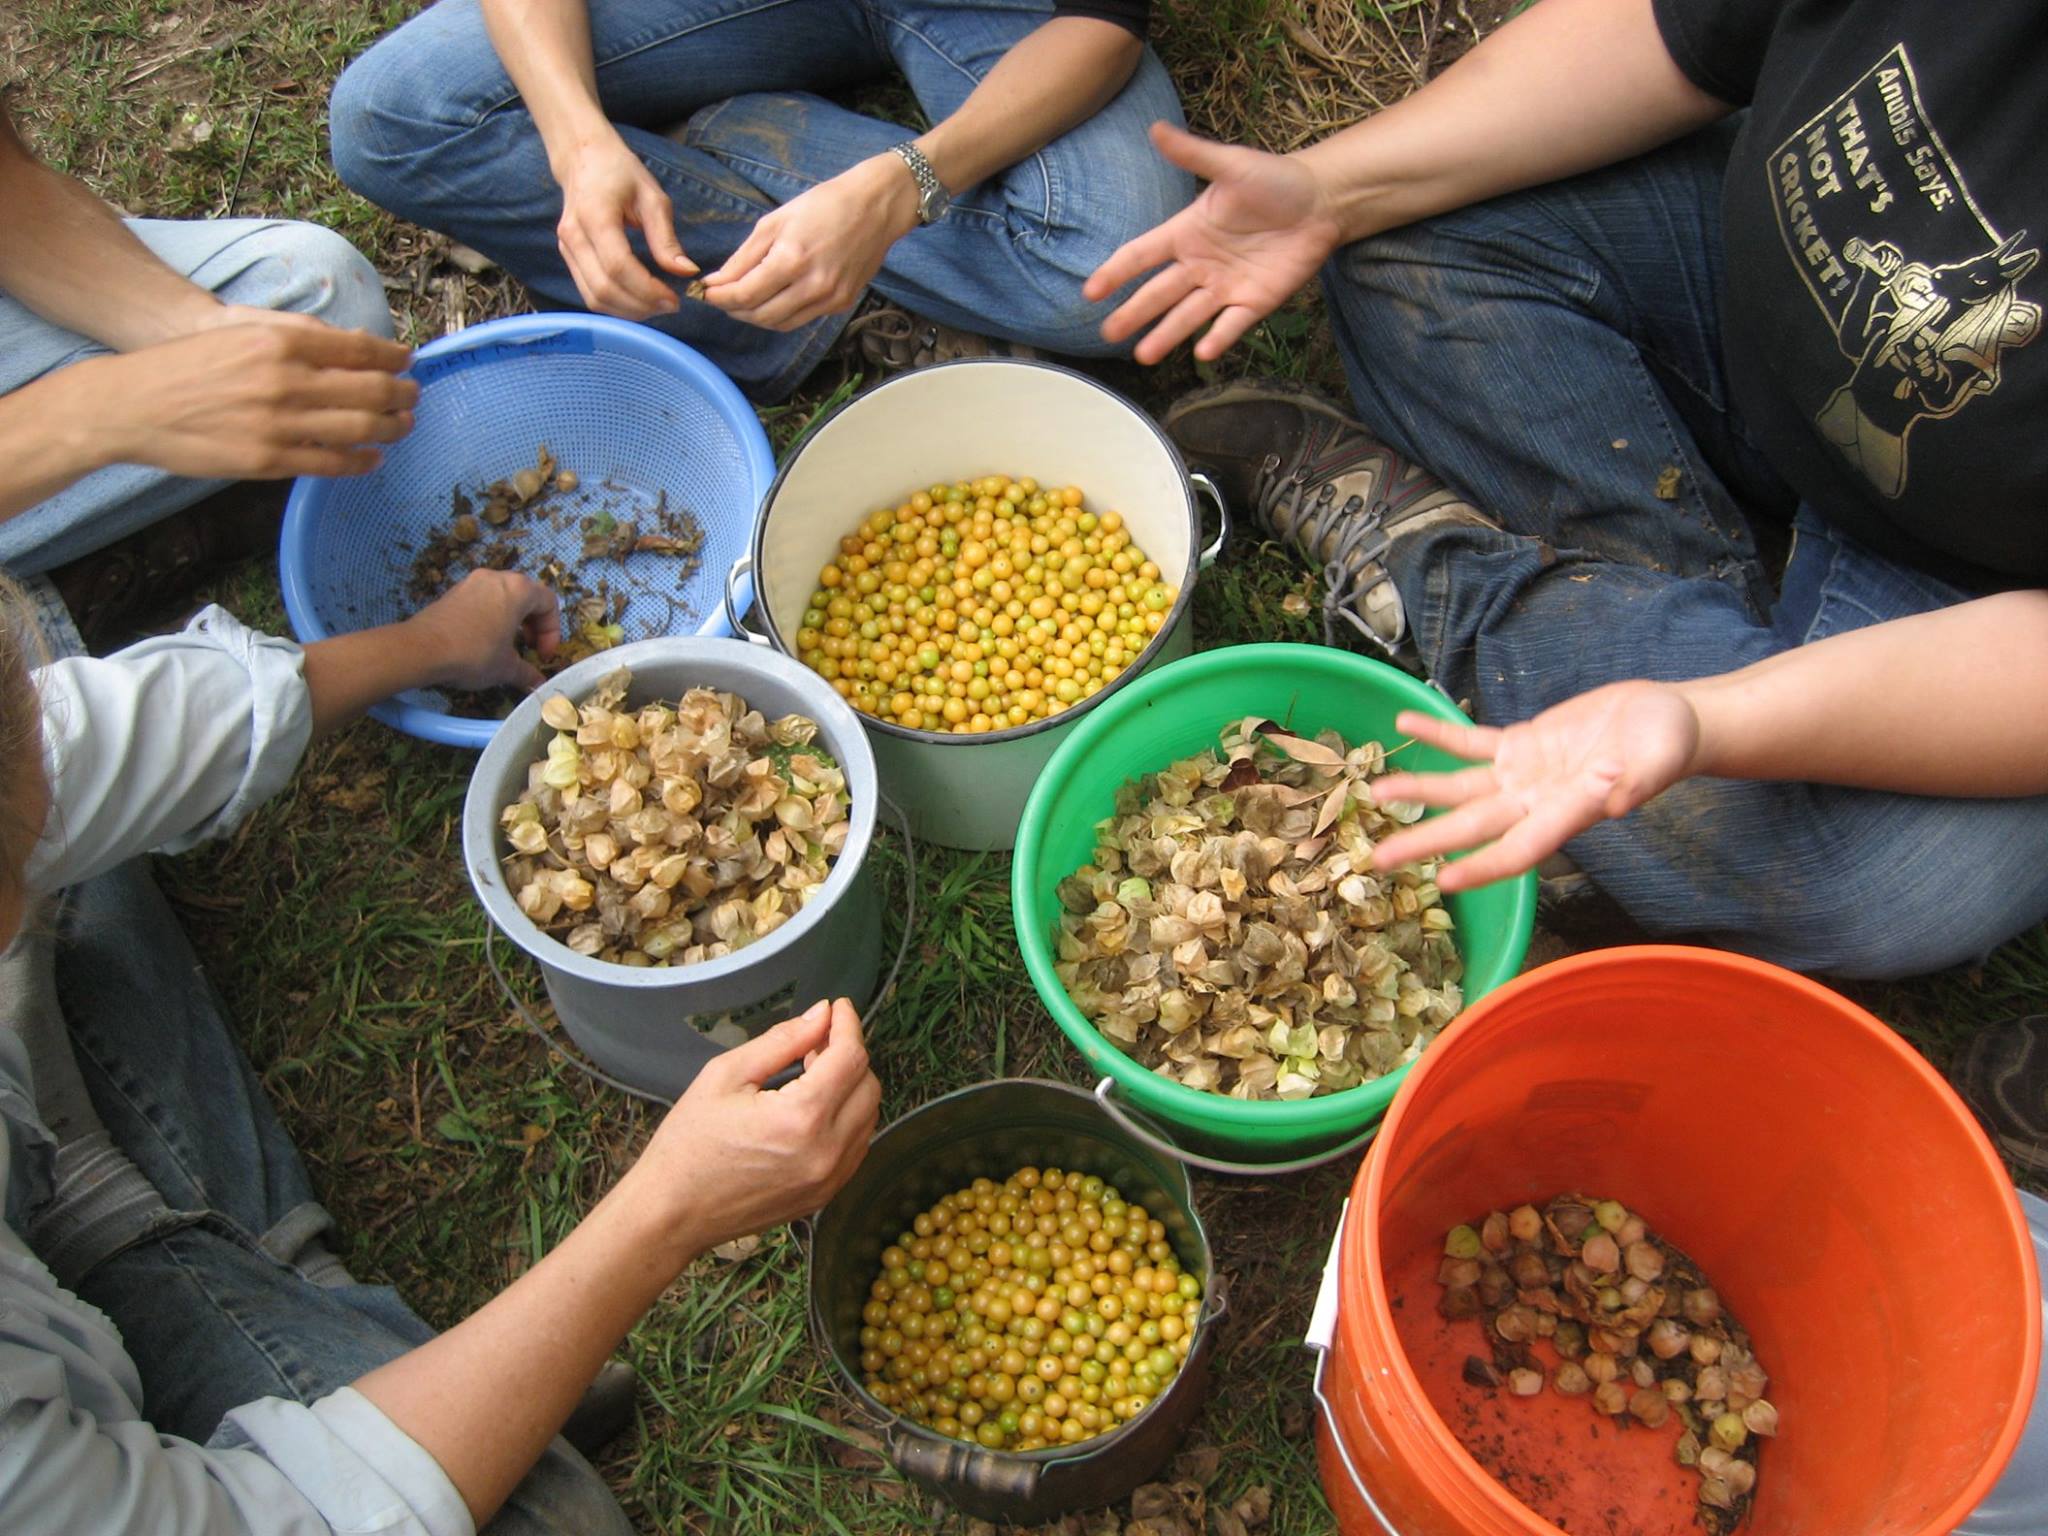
x: 740, y: 567
x: 1322, y: 1328
x: 1209, y: 491
x: 1105, y: 1095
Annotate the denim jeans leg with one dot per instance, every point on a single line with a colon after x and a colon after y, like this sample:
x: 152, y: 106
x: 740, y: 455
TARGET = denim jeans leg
x: 427, y: 124
x: 164, y: 1071
x: 1009, y: 256
x: 209, y: 1302
x: 262, y: 263
x: 1555, y: 354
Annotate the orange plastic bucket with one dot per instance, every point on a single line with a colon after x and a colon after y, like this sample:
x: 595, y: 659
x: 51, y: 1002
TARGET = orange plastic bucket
x: 1837, y: 1194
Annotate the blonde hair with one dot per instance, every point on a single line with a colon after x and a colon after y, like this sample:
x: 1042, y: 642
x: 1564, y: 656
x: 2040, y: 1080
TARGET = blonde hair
x: 22, y: 649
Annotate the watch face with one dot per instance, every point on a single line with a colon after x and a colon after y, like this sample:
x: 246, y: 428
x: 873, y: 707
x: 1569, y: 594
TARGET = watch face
x: 933, y: 204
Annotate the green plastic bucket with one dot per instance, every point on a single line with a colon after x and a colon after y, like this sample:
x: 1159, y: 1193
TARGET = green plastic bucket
x: 1175, y: 712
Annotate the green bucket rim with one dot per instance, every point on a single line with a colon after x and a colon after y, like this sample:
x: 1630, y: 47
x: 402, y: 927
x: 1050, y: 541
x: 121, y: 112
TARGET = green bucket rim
x: 1348, y: 1109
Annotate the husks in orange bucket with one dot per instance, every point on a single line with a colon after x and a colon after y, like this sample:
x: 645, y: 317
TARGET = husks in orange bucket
x: 1627, y: 1303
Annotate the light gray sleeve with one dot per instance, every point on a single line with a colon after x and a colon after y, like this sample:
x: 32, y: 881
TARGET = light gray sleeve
x: 165, y: 744
x: 339, y: 1466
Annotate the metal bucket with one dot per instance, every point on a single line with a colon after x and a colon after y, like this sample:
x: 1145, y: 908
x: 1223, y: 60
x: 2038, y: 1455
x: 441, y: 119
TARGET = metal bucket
x: 977, y: 416
x: 645, y: 1026
x: 990, y: 1131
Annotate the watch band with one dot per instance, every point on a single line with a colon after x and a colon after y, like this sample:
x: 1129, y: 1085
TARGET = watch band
x: 932, y: 198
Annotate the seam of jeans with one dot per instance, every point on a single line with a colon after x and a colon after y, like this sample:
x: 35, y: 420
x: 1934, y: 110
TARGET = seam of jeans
x: 632, y: 49
x: 289, y: 1373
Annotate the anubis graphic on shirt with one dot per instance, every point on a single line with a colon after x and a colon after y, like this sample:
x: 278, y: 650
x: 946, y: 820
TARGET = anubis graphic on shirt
x: 1922, y: 292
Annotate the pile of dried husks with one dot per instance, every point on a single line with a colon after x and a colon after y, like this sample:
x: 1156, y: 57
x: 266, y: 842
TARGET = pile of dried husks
x: 672, y: 834
x: 1634, y: 1324
x: 1231, y: 934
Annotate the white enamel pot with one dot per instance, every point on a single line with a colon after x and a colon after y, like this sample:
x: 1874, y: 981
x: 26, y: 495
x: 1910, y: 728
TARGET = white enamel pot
x: 648, y: 1026
x: 954, y: 421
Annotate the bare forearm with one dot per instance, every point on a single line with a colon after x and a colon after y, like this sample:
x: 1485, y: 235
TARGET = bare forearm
x: 1953, y: 702
x: 545, y: 48
x: 1566, y: 86
x: 1052, y: 80
x: 346, y: 674
x: 485, y: 1397
x: 68, y: 257
x: 46, y: 437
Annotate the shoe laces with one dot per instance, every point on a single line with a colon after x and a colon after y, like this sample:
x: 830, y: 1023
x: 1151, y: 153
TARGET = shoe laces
x: 1352, y: 568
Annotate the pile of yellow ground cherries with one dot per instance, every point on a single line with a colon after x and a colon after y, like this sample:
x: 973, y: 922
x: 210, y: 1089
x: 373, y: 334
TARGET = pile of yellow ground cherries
x: 982, y: 605
x: 1040, y: 1311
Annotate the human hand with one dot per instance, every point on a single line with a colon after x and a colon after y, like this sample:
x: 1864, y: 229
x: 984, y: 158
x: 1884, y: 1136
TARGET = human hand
x: 266, y: 401
x: 817, y: 253
x: 1546, y: 780
x: 1256, y: 234
x: 469, y: 636
x: 605, y: 189
x: 735, y: 1156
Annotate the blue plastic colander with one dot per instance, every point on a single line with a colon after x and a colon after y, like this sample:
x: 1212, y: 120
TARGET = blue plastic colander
x: 633, y: 412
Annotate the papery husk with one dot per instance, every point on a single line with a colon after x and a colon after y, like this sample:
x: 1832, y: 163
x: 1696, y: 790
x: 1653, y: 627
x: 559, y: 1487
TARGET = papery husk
x: 1230, y: 934
x: 689, y: 830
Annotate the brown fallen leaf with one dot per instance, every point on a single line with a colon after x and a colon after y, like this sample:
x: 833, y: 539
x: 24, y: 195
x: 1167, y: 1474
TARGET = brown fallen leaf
x: 1199, y: 1465
x: 1224, y: 1522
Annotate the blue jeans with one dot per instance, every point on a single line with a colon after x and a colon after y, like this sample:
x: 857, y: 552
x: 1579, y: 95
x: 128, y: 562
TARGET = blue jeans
x: 1555, y: 354
x: 225, y: 1292
x: 428, y: 125
x: 262, y: 263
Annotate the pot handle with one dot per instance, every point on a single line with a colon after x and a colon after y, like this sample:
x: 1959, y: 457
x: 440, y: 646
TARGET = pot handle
x: 1208, y: 490
x: 1105, y: 1096
x: 999, y: 1477
x: 1322, y: 1327
x: 741, y: 567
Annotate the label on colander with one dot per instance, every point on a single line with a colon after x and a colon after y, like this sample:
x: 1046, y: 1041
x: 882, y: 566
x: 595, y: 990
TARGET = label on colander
x: 426, y: 370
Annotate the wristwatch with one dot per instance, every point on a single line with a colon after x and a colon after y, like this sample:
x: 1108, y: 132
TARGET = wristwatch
x: 932, y: 197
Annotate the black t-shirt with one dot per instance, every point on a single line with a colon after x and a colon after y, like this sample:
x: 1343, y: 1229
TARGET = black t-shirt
x: 1132, y: 15
x: 1884, y: 214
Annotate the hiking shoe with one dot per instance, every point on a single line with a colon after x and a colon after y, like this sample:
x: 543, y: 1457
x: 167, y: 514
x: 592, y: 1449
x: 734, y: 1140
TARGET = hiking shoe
x: 2003, y: 1076
x: 604, y: 1410
x: 887, y: 338
x: 1313, y: 477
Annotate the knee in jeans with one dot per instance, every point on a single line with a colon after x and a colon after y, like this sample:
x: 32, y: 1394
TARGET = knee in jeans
x: 379, y: 123
x: 316, y: 272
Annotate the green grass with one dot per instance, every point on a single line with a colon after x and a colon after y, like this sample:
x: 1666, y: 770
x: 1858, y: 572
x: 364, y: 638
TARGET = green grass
x: 338, y: 926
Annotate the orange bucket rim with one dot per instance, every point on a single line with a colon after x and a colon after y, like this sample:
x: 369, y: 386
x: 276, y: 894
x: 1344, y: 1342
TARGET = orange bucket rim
x: 1440, y: 1442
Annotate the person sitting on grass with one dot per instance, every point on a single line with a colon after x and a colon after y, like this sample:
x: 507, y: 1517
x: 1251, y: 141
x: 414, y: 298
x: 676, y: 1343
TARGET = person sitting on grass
x: 606, y: 152
x: 180, y: 1350
x: 147, y: 363
x: 1637, y: 339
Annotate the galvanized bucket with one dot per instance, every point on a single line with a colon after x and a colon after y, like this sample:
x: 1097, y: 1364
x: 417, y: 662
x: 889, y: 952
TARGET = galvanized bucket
x: 989, y: 1131
x: 646, y: 1026
x: 974, y: 417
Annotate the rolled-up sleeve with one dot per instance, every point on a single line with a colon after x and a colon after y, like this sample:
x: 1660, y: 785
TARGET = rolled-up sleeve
x: 63, y: 1471
x: 165, y: 744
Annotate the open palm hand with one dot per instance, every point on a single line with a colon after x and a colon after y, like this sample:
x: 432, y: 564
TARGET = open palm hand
x: 1541, y: 782
x: 1256, y: 234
